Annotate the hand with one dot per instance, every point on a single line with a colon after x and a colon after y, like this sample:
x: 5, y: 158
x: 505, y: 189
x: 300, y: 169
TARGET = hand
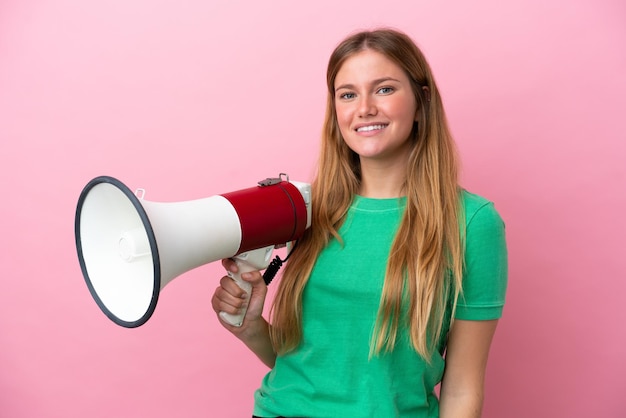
x: 230, y: 298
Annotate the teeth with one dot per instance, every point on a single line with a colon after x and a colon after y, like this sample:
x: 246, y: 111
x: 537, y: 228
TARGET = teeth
x: 370, y: 128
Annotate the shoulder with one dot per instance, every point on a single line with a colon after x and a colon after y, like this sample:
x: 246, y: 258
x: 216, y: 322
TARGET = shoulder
x: 479, y: 212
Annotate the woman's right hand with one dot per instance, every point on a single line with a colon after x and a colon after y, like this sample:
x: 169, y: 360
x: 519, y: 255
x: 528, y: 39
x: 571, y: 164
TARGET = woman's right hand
x: 230, y: 298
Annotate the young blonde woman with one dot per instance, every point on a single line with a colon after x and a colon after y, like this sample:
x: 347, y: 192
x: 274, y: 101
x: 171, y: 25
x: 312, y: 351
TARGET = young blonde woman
x: 399, y: 283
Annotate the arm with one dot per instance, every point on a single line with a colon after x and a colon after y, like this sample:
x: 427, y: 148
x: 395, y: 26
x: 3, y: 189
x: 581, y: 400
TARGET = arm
x: 462, y: 387
x: 254, y: 332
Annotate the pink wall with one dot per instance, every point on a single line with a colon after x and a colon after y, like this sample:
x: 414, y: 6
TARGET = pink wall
x: 192, y: 98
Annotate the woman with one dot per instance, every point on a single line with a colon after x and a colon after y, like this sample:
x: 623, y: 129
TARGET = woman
x: 399, y: 282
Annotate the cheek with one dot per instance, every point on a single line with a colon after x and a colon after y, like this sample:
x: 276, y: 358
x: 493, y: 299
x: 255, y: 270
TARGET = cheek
x: 344, y: 119
x: 408, y: 114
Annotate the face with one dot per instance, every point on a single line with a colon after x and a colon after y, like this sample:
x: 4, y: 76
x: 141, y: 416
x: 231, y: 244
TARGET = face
x: 375, y: 107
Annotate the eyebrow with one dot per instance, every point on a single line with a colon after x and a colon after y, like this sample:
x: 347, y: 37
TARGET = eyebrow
x: 373, y: 83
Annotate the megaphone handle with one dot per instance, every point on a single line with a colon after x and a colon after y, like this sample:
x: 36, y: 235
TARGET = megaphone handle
x: 247, y: 262
x: 237, y: 320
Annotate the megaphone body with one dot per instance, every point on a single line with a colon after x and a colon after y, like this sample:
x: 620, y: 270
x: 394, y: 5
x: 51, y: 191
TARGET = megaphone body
x: 129, y: 248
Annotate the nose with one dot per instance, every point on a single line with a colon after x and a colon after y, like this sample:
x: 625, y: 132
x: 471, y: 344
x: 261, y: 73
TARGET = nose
x: 367, y: 106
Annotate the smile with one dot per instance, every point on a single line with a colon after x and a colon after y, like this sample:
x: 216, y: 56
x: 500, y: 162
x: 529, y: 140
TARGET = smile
x: 371, y: 128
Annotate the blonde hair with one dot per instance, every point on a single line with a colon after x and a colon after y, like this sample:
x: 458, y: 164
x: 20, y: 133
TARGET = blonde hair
x: 425, y: 264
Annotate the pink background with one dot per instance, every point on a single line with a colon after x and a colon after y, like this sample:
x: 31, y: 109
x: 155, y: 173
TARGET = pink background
x: 190, y: 98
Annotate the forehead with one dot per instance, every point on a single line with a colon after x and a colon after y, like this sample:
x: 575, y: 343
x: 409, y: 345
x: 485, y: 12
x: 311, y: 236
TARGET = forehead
x: 366, y: 66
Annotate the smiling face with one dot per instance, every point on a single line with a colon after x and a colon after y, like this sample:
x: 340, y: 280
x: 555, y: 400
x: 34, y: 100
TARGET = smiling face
x: 375, y: 107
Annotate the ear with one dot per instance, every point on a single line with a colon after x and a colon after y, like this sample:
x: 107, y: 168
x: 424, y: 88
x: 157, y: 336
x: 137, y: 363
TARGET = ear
x: 426, y: 91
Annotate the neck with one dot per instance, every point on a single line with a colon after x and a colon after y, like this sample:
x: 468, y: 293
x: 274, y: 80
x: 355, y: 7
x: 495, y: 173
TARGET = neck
x: 382, y: 181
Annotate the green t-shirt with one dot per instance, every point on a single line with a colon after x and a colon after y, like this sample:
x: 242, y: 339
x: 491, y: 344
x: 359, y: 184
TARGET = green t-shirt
x: 330, y: 374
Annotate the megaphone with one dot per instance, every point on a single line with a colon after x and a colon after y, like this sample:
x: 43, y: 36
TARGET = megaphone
x: 129, y: 248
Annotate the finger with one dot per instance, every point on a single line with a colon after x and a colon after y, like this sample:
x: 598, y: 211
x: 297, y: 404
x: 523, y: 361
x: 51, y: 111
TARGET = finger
x: 225, y: 301
x: 230, y: 265
x: 258, y: 293
x: 232, y: 287
x: 230, y: 292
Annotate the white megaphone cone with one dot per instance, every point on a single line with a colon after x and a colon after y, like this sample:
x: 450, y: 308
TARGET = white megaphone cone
x: 130, y: 248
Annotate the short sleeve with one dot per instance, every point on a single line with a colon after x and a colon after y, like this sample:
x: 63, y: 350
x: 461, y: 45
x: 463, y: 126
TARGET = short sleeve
x: 486, y: 264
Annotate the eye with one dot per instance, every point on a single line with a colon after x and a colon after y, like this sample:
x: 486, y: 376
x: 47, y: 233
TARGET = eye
x: 385, y: 90
x: 347, y: 96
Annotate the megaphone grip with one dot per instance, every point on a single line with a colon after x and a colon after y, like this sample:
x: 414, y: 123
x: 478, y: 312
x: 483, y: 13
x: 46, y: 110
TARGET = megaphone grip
x: 246, y: 262
x: 237, y: 320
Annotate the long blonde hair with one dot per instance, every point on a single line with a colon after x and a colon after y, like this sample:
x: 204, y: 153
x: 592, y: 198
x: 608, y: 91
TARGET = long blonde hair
x: 426, y: 259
